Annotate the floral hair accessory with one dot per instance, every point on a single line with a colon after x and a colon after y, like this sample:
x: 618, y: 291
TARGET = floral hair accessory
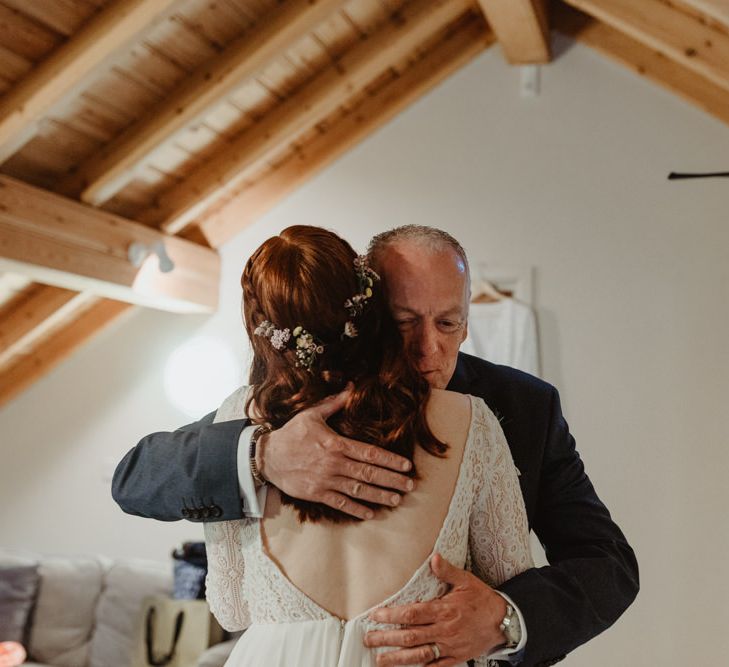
x: 307, y: 348
x: 355, y: 305
x: 278, y: 337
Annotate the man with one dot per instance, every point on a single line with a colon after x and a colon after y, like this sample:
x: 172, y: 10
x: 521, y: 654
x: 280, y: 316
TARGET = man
x: 534, y: 618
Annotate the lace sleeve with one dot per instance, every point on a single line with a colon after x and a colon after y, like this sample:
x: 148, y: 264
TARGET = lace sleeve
x: 499, y: 531
x: 498, y: 528
x: 224, y: 581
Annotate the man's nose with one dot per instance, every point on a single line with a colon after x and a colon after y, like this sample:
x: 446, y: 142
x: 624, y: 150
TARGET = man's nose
x: 427, y: 341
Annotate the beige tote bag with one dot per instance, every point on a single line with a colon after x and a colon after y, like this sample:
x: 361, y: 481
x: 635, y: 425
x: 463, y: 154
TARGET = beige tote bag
x: 173, y: 633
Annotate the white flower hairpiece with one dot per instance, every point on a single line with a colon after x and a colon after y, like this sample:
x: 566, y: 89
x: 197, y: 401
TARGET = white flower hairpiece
x: 306, y: 346
x: 278, y: 337
x: 355, y: 305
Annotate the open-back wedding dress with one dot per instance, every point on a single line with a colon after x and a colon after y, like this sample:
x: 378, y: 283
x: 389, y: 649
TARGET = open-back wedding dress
x: 485, y: 531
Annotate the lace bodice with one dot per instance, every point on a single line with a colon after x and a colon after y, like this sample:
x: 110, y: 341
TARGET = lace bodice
x: 485, y: 531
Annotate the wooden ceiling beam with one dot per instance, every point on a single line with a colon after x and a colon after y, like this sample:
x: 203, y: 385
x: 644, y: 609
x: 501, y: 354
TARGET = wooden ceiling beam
x: 643, y: 60
x: 115, y: 165
x: 183, y: 203
x: 457, y: 49
x: 27, y: 368
x: 521, y: 27
x: 715, y: 9
x: 31, y: 317
x: 71, y: 65
x: 56, y: 241
x: 675, y: 34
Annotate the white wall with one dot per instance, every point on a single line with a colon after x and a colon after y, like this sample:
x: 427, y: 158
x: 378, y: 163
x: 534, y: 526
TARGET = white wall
x: 631, y: 293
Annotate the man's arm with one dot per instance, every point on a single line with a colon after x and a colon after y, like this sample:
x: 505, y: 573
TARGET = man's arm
x: 190, y: 473
x: 593, y: 574
x: 193, y: 472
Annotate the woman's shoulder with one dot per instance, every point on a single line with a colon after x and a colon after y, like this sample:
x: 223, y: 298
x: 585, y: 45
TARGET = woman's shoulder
x: 234, y: 406
x: 447, y: 407
x: 449, y: 415
x: 443, y: 399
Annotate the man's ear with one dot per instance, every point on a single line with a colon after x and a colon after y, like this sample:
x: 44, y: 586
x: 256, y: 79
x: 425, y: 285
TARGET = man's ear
x: 465, y: 331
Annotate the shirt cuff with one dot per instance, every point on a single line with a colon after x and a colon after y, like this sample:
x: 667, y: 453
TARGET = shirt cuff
x: 253, y: 501
x: 505, y: 653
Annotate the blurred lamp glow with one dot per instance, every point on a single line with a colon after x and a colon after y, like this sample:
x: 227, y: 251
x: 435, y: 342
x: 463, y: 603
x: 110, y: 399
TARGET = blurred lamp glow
x: 200, y: 374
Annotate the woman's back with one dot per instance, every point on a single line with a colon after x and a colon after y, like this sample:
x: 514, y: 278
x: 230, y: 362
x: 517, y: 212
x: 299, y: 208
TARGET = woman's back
x: 468, y: 507
x: 348, y: 568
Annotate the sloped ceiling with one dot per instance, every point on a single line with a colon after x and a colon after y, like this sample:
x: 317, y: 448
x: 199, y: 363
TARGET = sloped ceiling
x: 170, y: 125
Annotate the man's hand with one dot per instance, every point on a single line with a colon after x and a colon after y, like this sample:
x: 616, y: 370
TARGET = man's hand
x: 308, y: 460
x: 464, y: 623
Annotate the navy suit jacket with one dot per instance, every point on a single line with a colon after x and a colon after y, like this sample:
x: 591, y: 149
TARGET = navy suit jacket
x: 592, y: 577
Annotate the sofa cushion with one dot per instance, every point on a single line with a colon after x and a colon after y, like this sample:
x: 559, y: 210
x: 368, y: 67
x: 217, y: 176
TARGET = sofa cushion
x: 18, y: 588
x: 63, y: 618
x: 127, y: 583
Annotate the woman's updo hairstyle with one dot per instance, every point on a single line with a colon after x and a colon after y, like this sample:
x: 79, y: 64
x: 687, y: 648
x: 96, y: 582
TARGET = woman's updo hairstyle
x: 302, y: 278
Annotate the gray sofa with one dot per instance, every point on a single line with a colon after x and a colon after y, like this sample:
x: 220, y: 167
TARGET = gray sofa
x: 81, y: 611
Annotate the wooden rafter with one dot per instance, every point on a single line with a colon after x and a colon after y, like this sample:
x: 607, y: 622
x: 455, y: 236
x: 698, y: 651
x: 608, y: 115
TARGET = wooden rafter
x: 675, y: 34
x: 60, y: 242
x: 643, y: 60
x: 715, y: 9
x: 457, y: 49
x: 114, y: 166
x: 31, y: 317
x: 28, y: 368
x: 69, y: 66
x: 522, y: 28
x: 179, y: 206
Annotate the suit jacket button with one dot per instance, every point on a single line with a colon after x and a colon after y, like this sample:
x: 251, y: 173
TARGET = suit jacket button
x: 216, y: 512
x: 185, y: 513
x: 195, y: 514
x: 205, y: 512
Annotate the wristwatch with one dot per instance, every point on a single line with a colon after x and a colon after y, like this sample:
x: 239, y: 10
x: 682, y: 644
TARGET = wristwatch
x: 511, y: 627
x: 258, y: 479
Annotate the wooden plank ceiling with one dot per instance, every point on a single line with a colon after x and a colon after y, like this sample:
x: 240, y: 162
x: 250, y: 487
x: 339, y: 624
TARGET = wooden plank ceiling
x: 135, y: 121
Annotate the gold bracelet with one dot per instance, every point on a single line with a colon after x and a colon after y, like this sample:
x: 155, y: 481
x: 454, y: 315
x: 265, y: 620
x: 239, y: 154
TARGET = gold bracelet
x: 258, y: 479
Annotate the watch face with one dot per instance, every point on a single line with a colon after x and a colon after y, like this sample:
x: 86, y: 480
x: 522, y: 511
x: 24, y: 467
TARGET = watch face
x: 511, y: 628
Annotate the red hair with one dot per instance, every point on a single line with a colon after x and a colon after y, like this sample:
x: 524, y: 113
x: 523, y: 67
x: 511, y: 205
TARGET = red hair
x: 302, y: 277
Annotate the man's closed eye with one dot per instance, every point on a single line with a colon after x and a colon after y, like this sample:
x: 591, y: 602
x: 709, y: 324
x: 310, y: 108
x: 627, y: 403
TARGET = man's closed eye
x: 449, y: 326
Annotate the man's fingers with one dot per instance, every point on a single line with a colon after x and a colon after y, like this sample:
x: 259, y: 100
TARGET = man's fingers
x: 376, y: 456
x: 405, y: 638
x: 332, y: 404
x: 361, y: 491
x: 339, y: 501
x: 371, y: 474
x: 418, y: 613
x: 410, y: 656
x: 446, y: 572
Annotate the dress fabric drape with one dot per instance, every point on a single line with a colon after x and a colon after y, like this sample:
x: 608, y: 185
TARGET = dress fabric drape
x: 485, y: 530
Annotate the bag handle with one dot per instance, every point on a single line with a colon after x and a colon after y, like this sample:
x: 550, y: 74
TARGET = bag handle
x: 169, y: 657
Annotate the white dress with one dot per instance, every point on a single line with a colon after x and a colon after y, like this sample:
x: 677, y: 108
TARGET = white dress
x: 485, y: 531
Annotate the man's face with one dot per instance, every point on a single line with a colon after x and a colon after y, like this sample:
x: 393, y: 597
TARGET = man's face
x: 428, y: 296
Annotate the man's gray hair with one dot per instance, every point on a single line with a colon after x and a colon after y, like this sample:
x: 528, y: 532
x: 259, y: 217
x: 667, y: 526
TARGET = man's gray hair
x: 432, y: 238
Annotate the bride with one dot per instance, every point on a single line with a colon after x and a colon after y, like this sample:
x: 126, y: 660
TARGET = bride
x: 304, y: 579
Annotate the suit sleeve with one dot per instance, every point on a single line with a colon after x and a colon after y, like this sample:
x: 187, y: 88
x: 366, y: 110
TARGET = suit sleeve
x: 593, y: 574
x: 190, y: 473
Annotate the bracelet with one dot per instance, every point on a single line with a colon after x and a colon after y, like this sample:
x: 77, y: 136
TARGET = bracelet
x: 258, y: 479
